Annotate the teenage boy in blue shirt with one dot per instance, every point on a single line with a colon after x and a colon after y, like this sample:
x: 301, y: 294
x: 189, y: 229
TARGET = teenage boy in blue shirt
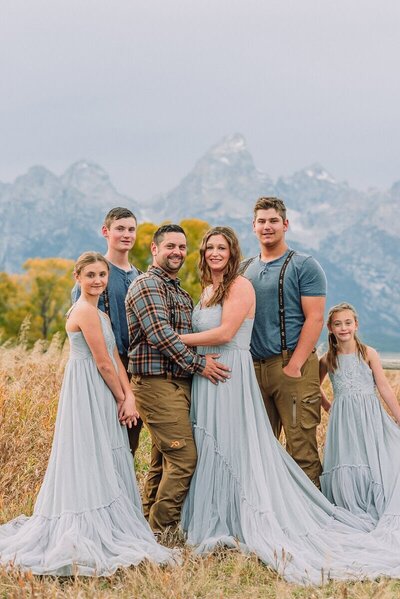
x: 119, y: 229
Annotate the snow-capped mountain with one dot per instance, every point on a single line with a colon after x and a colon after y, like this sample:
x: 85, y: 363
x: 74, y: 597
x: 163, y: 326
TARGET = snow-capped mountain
x: 223, y: 182
x: 354, y: 235
x: 43, y: 215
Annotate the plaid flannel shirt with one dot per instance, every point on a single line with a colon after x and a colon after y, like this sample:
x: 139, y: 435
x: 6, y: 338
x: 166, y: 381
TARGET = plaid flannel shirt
x: 158, y: 310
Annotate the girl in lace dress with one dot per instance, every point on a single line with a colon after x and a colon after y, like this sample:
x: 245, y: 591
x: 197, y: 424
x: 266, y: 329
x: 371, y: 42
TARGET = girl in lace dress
x: 361, y: 465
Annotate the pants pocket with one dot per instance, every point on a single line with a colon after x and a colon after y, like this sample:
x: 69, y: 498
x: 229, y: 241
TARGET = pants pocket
x: 165, y: 433
x: 172, y: 444
x: 310, y: 412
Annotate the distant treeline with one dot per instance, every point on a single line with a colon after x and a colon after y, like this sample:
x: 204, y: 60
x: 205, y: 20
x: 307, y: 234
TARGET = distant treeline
x: 36, y: 301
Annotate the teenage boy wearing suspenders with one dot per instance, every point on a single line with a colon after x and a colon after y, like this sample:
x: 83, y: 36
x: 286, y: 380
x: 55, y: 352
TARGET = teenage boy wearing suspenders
x: 290, y: 290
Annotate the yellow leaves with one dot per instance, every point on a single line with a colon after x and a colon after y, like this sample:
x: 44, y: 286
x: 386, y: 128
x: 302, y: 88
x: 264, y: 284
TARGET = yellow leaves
x: 189, y: 274
x: 195, y: 229
x: 35, y: 302
x: 140, y: 254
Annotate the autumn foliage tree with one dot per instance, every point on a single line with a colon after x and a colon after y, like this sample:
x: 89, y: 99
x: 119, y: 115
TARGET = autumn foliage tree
x: 41, y: 295
x: 11, y: 315
x: 140, y: 254
x: 49, y: 282
x: 189, y: 274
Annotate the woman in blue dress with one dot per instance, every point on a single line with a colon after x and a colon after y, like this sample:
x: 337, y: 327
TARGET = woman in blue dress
x: 247, y: 492
x: 87, y: 518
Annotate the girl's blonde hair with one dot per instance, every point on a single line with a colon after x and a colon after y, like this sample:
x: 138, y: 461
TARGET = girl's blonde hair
x: 331, y: 355
x: 89, y: 258
x: 231, y: 271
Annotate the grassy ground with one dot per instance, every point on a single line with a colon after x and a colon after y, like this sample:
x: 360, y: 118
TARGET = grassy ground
x: 29, y: 387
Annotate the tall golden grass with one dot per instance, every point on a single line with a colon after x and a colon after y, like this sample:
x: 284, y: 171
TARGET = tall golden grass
x: 30, y: 382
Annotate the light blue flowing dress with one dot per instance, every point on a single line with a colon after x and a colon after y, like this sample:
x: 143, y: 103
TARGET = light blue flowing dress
x: 87, y: 518
x: 362, y: 451
x: 248, y: 493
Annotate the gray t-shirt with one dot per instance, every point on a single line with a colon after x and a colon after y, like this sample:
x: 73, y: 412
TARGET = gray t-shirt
x: 118, y: 285
x: 303, y: 277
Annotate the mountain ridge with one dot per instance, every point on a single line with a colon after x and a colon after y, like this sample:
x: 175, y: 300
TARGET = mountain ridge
x: 354, y: 234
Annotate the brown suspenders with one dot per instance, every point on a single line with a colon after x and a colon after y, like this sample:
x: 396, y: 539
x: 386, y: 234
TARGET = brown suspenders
x: 282, y: 323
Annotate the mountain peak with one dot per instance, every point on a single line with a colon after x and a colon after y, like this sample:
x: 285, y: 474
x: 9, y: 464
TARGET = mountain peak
x: 37, y: 176
x: 230, y: 144
x: 224, y: 176
x: 82, y: 169
x: 229, y: 154
x: 87, y: 177
x: 317, y: 171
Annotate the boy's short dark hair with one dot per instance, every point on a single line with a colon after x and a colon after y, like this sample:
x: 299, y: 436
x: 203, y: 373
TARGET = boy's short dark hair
x: 265, y: 203
x: 161, y: 231
x: 117, y: 214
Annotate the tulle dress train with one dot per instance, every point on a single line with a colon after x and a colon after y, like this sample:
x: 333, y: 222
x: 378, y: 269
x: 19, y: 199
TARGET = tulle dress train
x: 87, y: 518
x: 248, y: 493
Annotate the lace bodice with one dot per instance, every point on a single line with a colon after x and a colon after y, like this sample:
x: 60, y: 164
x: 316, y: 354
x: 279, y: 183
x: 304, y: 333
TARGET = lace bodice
x: 79, y: 349
x: 209, y: 318
x: 353, y: 376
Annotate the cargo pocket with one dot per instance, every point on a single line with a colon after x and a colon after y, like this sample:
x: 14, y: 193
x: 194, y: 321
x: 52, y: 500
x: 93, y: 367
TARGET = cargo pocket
x: 164, y: 432
x: 291, y: 392
x: 172, y: 444
x: 310, y: 412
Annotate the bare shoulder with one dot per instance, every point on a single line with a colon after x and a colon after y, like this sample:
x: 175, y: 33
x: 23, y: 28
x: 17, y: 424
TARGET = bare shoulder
x: 84, y: 312
x: 372, y: 354
x: 242, y: 294
x: 374, y: 362
x: 81, y: 314
x: 243, y: 285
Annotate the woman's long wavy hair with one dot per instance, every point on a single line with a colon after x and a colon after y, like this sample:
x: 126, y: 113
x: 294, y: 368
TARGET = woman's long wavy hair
x: 231, y: 271
x: 331, y: 355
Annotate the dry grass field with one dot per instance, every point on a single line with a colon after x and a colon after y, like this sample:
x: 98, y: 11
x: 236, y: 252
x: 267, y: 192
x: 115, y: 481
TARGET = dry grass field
x: 29, y: 386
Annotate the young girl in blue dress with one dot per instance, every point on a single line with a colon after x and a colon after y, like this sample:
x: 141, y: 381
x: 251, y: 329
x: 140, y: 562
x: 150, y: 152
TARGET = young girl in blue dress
x: 361, y: 466
x: 87, y: 518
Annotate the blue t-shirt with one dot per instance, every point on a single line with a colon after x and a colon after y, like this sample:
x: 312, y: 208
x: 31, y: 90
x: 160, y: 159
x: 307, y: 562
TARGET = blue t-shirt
x: 119, y: 281
x: 303, y: 277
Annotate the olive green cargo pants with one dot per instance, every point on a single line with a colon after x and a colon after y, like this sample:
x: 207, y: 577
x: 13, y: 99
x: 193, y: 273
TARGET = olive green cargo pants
x: 164, y: 404
x: 295, y: 405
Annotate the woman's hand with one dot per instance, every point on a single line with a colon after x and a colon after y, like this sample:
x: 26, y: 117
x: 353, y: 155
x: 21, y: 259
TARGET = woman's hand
x: 127, y: 412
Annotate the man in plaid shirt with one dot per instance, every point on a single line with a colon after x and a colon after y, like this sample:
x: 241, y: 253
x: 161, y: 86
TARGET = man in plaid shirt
x: 158, y: 311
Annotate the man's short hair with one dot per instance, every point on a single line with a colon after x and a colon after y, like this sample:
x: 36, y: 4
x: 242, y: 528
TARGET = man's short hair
x: 265, y: 203
x: 117, y: 214
x: 161, y: 231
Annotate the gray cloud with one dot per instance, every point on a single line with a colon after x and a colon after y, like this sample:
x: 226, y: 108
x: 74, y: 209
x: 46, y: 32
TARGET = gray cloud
x: 145, y: 87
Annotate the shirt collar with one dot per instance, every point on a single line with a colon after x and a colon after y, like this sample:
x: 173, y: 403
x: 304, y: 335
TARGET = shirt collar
x: 276, y: 259
x: 163, y: 275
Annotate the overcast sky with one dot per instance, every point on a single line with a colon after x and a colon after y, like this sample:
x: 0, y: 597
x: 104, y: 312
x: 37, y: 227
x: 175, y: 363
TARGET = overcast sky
x: 145, y: 87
